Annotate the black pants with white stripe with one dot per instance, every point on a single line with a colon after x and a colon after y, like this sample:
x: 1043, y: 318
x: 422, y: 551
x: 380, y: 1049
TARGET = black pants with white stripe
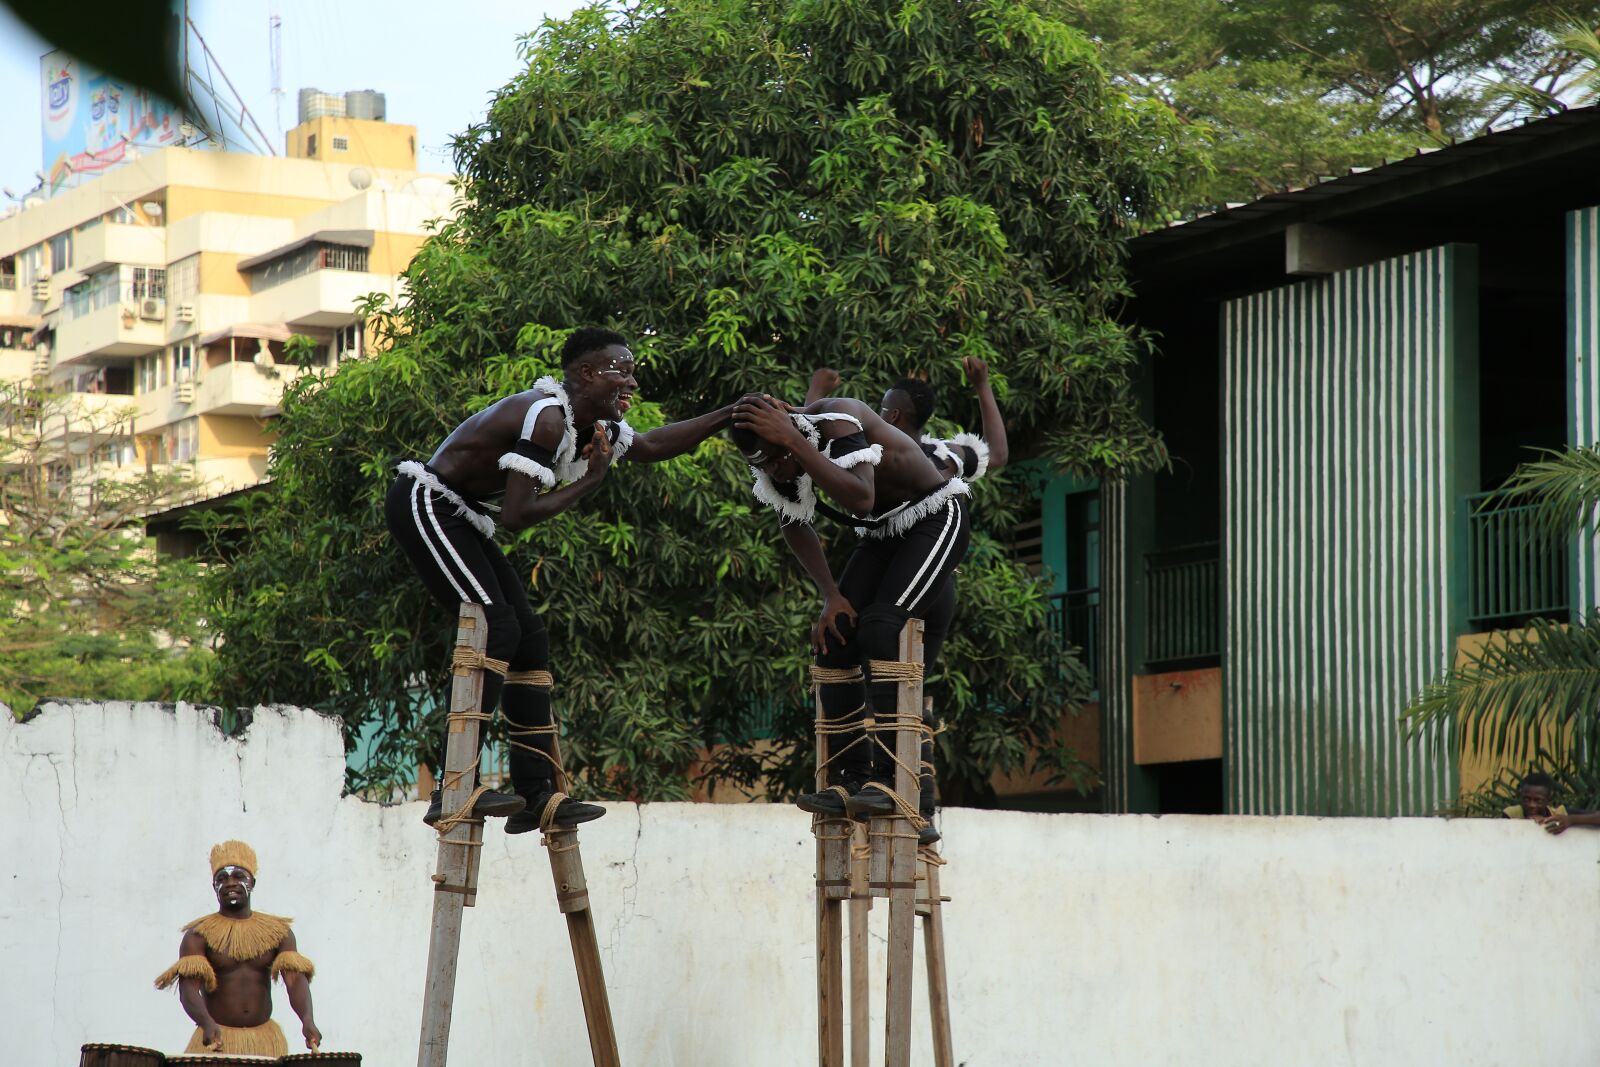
x: 457, y: 563
x: 889, y: 581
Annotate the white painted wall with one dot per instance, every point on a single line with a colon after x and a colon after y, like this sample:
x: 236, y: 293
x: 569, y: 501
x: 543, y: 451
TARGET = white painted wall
x: 1072, y: 939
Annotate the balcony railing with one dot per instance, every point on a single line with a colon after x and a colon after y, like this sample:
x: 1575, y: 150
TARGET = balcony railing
x: 1075, y: 618
x: 1183, y: 606
x: 1516, y: 571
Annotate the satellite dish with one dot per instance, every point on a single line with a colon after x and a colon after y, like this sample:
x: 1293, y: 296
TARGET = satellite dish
x: 153, y: 208
x: 360, y: 177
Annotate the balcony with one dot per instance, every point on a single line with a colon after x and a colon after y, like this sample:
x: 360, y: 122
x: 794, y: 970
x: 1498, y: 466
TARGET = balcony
x: 237, y: 388
x: 1182, y: 608
x: 1075, y: 618
x: 114, y: 330
x: 321, y: 298
x: 1515, y: 572
x: 111, y: 243
x: 16, y: 303
x: 241, y: 388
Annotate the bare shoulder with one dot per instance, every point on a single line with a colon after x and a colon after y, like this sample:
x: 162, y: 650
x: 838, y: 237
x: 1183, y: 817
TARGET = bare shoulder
x: 838, y: 405
x: 509, y: 415
x: 288, y: 942
x: 192, y: 944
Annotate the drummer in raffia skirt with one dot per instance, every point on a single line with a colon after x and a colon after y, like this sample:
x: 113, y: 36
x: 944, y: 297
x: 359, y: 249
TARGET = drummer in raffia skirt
x: 226, y: 964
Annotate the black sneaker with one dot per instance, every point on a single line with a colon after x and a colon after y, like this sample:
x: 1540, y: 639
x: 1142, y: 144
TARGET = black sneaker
x: 491, y: 804
x: 569, y: 813
x: 871, y: 801
x: 928, y: 835
x: 828, y: 803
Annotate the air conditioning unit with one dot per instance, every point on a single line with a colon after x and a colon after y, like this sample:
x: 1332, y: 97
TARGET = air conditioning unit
x: 41, y: 292
x: 185, y: 392
x: 41, y: 365
x: 152, y: 309
x: 185, y: 312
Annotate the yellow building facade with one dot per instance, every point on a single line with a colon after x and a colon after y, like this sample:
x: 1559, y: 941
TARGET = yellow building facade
x: 166, y: 290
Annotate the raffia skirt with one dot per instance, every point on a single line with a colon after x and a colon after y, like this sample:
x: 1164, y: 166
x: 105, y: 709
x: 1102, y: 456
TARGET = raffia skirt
x: 264, y: 1040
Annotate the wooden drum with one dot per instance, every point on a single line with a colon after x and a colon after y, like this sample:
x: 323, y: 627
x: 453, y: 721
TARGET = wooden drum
x: 324, y: 1059
x: 120, y: 1056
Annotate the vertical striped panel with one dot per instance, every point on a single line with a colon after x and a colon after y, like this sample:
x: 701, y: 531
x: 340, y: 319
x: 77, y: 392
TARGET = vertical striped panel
x: 1583, y: 380
x: 1116, y: 684
x: 1338, y: 481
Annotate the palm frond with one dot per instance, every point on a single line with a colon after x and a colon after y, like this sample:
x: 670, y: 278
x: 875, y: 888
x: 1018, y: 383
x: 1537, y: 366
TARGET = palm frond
x: 1564, y: 490
x: 1521, y: 691
x: 1583, y: 41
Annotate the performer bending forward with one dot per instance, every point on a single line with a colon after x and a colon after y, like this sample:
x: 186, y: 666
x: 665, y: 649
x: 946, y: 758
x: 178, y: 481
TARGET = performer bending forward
x: 545, y: 448
x: 914, y: 527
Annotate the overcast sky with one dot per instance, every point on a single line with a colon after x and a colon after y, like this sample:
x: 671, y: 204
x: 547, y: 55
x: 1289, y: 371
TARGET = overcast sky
x: 438, y: 64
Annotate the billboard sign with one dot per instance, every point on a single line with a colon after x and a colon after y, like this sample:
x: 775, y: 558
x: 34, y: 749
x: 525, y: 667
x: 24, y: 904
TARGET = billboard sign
x: 91, y: 120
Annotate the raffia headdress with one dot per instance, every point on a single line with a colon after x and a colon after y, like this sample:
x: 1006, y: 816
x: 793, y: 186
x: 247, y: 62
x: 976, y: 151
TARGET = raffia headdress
x: 233, y: 854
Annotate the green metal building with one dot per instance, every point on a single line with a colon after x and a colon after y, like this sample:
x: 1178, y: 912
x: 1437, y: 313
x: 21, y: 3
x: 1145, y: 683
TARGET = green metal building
x: 1341, y: 372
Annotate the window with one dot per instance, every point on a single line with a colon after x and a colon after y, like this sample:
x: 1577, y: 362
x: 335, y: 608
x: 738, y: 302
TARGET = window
x: 183, y: 278
x: 311, y: 145
x: 183, y: 362
x: 161, y: 362
x: 61, y: 251
x: 344, y: 257
x: 29, y: 265
x: 180, y: 442
x: 96, y: 292
x: 122, y: 215
x: 148, y: 282
x: 147, y: 373
x: 341, y: 144
x: 304, y: 260
x: 347, y: 342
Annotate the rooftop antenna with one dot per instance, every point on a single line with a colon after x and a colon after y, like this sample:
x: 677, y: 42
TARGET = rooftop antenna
x: 275, y: 51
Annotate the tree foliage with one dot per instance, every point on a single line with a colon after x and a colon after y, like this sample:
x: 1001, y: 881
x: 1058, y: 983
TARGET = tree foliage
x: 748, y: 190
x: 1280, y: 92
x: 86, y: 607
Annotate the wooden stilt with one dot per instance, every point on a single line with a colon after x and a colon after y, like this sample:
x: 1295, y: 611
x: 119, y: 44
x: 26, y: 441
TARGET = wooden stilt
x: 928, y: 906
x: 572, y: 897
x: 456, y: 878
x: 456, y: 883
x: 833, y: 887
x: 860, y: 943
x: 900, y: 836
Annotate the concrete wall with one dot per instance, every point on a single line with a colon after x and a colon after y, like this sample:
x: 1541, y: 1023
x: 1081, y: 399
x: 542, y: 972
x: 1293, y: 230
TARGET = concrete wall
x: 1072, y: 939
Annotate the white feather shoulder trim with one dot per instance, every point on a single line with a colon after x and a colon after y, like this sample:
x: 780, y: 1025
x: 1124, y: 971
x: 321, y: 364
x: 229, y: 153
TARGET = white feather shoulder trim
x: 871, y: 455
x: 523, y: 465
x: 802, y: 510
x: 979, y: 446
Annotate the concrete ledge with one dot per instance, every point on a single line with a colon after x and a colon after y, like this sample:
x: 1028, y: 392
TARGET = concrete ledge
x: 1072, y: 939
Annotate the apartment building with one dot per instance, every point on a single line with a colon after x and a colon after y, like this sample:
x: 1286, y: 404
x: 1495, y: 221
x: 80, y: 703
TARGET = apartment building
x: 1346, y: 373
x: 162, y: 293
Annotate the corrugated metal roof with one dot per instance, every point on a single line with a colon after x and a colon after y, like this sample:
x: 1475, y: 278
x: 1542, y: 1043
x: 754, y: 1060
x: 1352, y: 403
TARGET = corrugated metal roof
x: 1527, y: 144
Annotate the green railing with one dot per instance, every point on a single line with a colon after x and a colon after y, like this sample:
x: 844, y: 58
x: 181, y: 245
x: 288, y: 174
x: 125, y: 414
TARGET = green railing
x: 1182, y: 605
x: 1515, y: 571
x: 1075, y: 618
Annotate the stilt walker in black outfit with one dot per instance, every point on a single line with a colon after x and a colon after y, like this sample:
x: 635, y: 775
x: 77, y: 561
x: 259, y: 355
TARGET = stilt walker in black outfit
x: 543, y: 449
x: 914, y: 526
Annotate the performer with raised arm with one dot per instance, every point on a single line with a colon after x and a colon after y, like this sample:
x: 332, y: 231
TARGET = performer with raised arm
x: 544, y: 449
x: 228, y: 960
x: 914, y: 526
x: 909, y: 403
